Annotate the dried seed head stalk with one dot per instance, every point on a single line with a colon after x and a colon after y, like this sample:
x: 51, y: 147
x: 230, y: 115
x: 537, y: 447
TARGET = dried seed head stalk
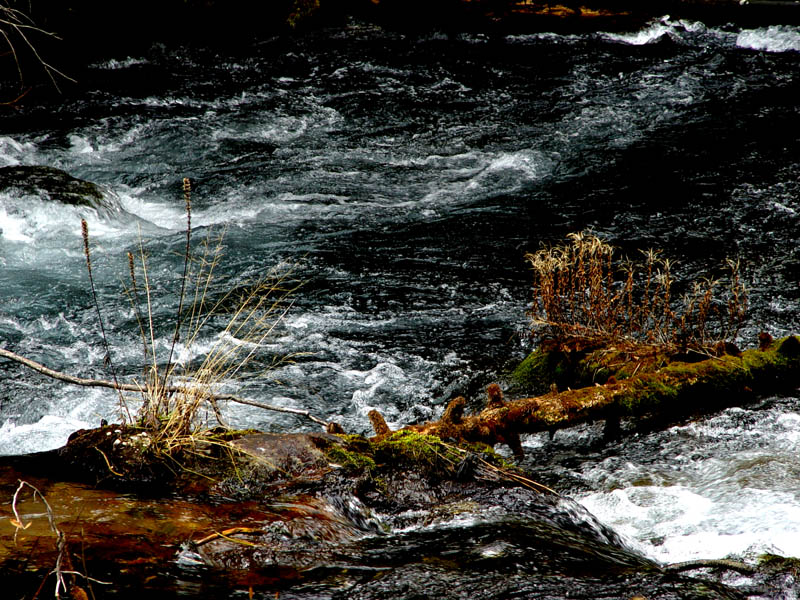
x: 187, y: 199
x: 107, y: 358
x: 85, y: 236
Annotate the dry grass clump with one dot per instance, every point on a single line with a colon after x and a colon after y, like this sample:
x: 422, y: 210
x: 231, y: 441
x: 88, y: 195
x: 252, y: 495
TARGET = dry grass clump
x: 181, y: 385
x: 583, y: 293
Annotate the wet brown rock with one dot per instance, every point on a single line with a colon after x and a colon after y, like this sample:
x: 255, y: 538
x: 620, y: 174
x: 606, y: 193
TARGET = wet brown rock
x: 286, y: 455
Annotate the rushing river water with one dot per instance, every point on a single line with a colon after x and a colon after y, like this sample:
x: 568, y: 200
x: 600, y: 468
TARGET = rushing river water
x: 405, y: 177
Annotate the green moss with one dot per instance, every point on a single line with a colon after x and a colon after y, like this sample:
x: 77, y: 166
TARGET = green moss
x: 429, y: 455
x: 680, y: 386
x: 539, y: 370
x: 487, y: 453
x: 410, y: 448
x: 773, y: 563
x: 601, y: 364
x: 355, y: 455
x: 406, y: 449
x: 649, y: 384
x: 226, y: 435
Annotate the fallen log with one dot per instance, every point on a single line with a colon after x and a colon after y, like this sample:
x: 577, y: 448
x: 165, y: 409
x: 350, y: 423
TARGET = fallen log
x: 678, y: 389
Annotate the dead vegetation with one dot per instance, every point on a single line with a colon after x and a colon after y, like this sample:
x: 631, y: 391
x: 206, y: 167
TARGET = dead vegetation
x: 617, y: 332
x: 585, y: 295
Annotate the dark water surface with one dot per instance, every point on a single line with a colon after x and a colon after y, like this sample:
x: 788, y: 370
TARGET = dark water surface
x: 405, y: 177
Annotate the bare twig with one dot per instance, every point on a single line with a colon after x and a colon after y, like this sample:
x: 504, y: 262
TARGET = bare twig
x: 294, y: 411
x: 62, y: 560
x: 135, y: 387
x: 13, y: 20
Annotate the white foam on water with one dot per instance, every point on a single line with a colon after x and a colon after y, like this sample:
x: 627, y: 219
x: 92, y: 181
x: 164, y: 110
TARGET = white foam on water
x: 479, y: 174
x: 14, y: 152
x: 239, y: 207
x: 278, y: 128
x: 731, y: 492
x: 69, y: 411
x: 99, y: 143
x: 157, y: 216
x: 117, y: 64
x: 675, y: 29
x: 42, y: 232
x: 530, y: 165
x: 12, y: 227
x: 649, y: 35
x: 775, y: 38
x: 675, y: 524
x: 28, y: 218
x: 47, y: 434
x: 383, y: 380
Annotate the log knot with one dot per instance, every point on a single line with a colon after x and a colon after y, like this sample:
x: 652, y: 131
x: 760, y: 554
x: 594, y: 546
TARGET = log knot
x: 454, y: 412
x: 764, y: 341
x: 334, y: 428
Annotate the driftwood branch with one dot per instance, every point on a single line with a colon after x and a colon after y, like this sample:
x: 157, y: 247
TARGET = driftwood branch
x: 723, y: 564
x: 63, y: 562
x: 294, y: 411
x: 134, y: 387
x: 677, y: 390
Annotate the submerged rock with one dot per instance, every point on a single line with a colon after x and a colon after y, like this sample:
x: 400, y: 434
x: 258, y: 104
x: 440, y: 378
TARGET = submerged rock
x: 49, y: 183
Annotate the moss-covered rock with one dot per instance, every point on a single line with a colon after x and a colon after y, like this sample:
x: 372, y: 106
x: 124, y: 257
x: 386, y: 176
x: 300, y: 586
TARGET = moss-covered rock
x: 336, y: 514
x: 427, y: 455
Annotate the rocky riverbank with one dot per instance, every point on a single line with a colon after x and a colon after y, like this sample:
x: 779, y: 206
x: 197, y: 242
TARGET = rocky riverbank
x: 312, y: 516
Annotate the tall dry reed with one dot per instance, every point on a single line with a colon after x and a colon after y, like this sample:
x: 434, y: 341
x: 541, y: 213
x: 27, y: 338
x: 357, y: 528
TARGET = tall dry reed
x: 180, y: 384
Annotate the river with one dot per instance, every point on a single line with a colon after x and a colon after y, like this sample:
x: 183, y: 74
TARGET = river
x: 402, y: 178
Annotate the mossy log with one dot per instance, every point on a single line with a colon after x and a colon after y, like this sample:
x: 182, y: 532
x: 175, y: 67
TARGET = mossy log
x: 675, y: 390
